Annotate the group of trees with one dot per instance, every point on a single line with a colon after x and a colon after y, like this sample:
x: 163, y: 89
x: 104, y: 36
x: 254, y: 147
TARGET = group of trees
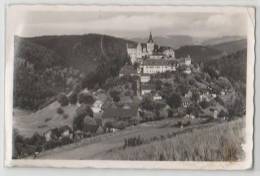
x: 32, y: 88
x: 29, y: 146
x: 45, y: 66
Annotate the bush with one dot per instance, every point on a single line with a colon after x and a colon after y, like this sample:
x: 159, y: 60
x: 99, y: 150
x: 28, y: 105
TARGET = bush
x: 90, y: 125
x: 86, y: 98
x: 147, y: 104
x: 81, y: 113
x: 60, y: 110
x: 73, y: 98
x: 133, y: 141
x: 174, y: 101
x: 62, y: 99
x: 65, y: 116
x: 115, y: 95
x: 204, y: 104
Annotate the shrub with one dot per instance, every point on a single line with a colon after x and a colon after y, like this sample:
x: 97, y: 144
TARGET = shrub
x: 65, y: 116
x: 60, y: 110
x: 147, y: 104
x: 47, y: 119
x: 174, y: 100
x: 204, y: 104
x: 86, y: 98
x: 73, y: 98
x: 62, y: 99
x: 81, y: 113
x: 133, y: 141
x: 115, y: 95
x: 222, y: 113
x: 90, y: 125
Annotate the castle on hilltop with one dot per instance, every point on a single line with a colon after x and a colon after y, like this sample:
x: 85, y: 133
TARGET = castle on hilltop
x: 139, y: 52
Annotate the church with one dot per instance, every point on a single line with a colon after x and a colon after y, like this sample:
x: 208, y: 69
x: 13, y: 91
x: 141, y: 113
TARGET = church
x: 148, y: 50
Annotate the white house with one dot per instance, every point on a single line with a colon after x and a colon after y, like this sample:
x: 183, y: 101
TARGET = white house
x: 187, y: 71
x: 97, y: 106
x: 188, y: 60
x: 169, y: 53
x: 145, y: 78
x: 146, y: 89
x: 152, y: 66
x: 157, y: 97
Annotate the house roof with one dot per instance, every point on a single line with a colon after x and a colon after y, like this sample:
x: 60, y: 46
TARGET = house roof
x: 128, y: 110
x: 158, y: 62
x: 128, y: 70
x: 150, y: 40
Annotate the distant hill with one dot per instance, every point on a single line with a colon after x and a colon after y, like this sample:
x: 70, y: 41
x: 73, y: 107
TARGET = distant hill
x: 198, y: 53
x: 219, y: 40
x: 83, y: 52
x: 231, y: 46
x: 232, y: 66
x: 174, y: 41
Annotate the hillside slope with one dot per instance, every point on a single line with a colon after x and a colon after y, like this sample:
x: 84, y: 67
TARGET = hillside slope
x: 198, y: 53
x: 47, y: 65
x: 231, y: 46
x: 80, y: 51
x: 223, y: 39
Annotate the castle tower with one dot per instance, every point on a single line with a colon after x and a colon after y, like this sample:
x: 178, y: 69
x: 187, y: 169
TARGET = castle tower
x: 150, y: 44
x: 139, y: 50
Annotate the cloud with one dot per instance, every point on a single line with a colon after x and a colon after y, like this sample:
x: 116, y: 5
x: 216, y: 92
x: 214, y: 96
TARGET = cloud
x: 129, y: 25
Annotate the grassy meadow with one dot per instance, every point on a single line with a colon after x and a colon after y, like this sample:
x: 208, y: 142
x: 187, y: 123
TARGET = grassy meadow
x: 216, y: 143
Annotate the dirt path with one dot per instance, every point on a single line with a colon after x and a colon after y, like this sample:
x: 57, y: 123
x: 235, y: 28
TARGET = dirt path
x: 98, y: 149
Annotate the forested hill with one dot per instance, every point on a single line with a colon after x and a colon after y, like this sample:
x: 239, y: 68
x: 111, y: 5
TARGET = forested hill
x: 198, y: 53
x: 231, y: 46
x: 47, y: 65
x: 83, y: 52
x: 201, y: 53
x: 232, y: 66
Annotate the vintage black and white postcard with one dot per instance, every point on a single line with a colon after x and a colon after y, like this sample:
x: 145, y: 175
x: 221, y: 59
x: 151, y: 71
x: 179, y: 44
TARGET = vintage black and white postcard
x: 153, y: 87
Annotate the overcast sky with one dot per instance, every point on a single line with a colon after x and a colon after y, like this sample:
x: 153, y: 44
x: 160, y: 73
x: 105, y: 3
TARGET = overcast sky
x: 131, y: 25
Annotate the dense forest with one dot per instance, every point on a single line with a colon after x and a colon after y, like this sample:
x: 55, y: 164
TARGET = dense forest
x: 204, y: 53
x: 45, y: 66
x: 198, y: 53
x: 232, y: 66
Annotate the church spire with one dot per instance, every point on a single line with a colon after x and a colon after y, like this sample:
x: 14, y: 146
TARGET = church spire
x: 150, y: 40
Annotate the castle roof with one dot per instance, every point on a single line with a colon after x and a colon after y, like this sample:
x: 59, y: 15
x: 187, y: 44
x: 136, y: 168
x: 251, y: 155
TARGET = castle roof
x: 150, y: 40
x: 158, y: 62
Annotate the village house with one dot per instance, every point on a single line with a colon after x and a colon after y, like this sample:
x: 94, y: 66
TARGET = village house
x: 65, y: 132
x: 153, y: 66
x: 146, y: 89
x: 186, y: 102
x: 157, y: 97
x: 187, y: 70
x: 188, y: 94
x: 97, y: 107
x: 144, y: 78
